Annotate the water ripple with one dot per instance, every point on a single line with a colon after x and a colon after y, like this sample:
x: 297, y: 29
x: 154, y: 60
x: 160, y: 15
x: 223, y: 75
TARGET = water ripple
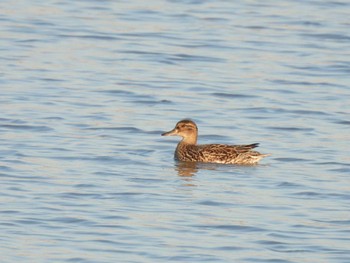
x: 26, y: 127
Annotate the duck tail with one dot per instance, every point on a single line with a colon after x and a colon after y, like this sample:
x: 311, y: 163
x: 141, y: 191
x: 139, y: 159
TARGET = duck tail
x: 253, y: 145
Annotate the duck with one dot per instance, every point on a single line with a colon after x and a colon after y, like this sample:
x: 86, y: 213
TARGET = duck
x: 188, y: 150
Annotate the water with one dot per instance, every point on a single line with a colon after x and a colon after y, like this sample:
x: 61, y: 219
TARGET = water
x: 87, y: 87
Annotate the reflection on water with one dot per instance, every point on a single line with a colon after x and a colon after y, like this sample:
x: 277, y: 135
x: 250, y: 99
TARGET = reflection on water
x: 186, y: 168
x: 191, y: 168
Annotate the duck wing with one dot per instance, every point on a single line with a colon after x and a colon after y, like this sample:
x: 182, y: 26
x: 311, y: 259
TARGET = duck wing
x: 222, y: 153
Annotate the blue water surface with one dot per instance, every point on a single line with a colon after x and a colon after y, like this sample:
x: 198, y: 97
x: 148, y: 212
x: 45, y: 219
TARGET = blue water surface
x: 87, y: 87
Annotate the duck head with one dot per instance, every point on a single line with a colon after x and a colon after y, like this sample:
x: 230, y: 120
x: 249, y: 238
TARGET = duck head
x: 187, y: 129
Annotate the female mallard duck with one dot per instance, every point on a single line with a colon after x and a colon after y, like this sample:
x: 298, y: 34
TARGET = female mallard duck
x: 187, y: 150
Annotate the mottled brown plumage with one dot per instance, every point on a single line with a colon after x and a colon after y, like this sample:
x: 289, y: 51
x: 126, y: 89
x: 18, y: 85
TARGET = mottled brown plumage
x: 187, y: 150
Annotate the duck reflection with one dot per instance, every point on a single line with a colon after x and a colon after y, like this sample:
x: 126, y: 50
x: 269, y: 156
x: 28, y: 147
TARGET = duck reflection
x: 186, y: 169
x: 189, y: 169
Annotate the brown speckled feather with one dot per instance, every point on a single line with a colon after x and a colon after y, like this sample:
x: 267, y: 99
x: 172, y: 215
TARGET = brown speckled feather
x: 218, y: 153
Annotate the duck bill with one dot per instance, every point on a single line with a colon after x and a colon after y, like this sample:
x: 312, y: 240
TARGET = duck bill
x: 170, y: 133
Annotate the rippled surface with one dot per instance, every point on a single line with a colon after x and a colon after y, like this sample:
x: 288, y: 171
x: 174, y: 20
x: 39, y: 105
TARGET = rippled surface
x: 87, y: 87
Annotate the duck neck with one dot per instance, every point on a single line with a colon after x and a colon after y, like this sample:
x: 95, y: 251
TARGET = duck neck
x: 190, y: 139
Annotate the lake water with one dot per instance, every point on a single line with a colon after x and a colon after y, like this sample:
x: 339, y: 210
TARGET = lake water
x: 87, y: 87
